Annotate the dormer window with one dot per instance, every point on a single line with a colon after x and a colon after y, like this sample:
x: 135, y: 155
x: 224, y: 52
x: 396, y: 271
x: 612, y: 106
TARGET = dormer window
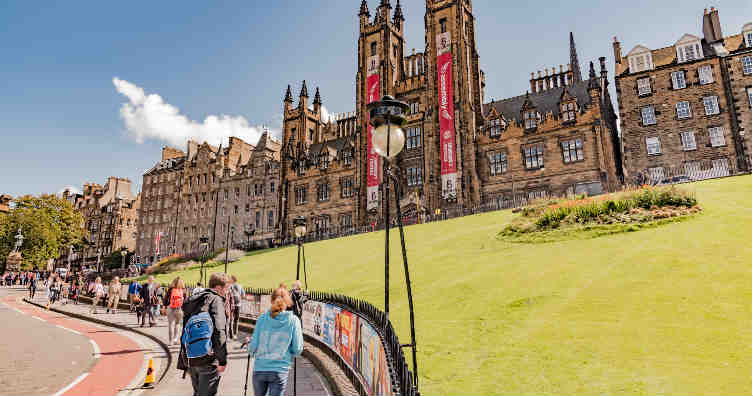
x: 531, y: 119
x: 495, y: 127
x: 568, y: 112
x: 347, y: 156
x: 324, y: 161
x: 688, y: 48
x: 640, y: 59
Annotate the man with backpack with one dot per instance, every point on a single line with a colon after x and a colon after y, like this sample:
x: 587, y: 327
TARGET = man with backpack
x: 203, y: 350
x: 149, y: 300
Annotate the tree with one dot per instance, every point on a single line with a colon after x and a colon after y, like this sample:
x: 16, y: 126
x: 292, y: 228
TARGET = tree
x: 48, y: 224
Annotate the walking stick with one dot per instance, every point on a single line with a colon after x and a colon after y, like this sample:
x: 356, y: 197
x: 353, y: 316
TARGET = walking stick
x: 248, y: 364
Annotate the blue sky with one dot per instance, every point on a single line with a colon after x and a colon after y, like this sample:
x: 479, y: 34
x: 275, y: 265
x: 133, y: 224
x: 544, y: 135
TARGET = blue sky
x: 61, y: 111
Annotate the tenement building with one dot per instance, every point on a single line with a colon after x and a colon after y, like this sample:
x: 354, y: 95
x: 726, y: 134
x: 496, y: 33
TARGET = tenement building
x: 460, y: 152
x: 685, y: 109
x: 228, y: 195
x: 111, y: 214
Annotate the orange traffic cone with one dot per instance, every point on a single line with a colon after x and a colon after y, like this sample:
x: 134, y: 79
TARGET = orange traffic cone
x: 149, y: 381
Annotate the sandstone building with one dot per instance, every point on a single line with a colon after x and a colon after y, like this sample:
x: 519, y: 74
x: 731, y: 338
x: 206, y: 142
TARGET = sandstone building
x: 686, y: 106
x: 460, y: 151
x: 208, y: 191
x: 111, y: 214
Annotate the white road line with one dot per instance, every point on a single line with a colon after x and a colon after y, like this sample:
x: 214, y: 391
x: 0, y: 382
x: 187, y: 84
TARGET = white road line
x: 38, y: 318
x: 96, y: 349
x: 71, y: 330
x: 17, y: 310
x: 72, y: 384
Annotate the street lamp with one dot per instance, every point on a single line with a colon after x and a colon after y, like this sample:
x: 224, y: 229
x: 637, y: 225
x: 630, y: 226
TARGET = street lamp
x: 249, y: 233
x: 388, y: 141
x: 99, y: 256
x: 299, y: 229
x: 123, y: 254
x: 227, y: 245
x: 203, y: 244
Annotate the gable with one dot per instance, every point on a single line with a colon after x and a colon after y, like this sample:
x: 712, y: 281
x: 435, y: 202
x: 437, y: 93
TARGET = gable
x: 687, y: 39
x: 638, y: 50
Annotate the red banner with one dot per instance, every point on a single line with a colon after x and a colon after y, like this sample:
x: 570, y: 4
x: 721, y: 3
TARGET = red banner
x: 446, y: 116
x: 372, y: 158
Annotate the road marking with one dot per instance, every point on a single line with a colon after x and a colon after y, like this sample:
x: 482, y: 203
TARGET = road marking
x: 96, y: 349
x: 71, y: 330
x: 18, y: 310
x: 72, y: 384
x: 38, y: 318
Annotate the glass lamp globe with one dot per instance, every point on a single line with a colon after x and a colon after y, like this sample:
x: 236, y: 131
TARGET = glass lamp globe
x: 379, y: 140
x: 300, y: 231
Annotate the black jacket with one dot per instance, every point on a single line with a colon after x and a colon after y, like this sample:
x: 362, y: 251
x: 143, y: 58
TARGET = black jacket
x: 216, y: 309
x: 148, y: 294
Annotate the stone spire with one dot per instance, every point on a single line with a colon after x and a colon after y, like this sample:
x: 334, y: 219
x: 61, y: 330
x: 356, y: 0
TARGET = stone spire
x: 364, y: 9
x: 574, y: 64
x: 398, y: 16
x: 288, y: 95
x: 304, y: 91
x: 317, y: 97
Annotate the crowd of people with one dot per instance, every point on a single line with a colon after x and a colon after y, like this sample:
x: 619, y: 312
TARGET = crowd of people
x: 202, y: 320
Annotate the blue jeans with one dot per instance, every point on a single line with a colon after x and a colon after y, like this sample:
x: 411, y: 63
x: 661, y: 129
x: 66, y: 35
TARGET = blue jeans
x: 269, y: 383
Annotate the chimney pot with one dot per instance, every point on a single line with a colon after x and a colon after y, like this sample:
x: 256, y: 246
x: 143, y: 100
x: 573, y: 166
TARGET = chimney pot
x: 712, y: 9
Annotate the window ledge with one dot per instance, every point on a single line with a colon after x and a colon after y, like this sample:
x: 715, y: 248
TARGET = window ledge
x: 690, y: 149
x: 573, y: 162
x: 654, y: 154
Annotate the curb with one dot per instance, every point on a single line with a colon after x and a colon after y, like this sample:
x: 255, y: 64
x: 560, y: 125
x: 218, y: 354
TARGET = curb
x: 161, y: 343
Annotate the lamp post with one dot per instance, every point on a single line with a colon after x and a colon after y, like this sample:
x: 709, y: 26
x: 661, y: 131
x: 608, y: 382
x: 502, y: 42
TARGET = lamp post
x: 203, y: 244
x: 70, y: 253
x: 249, y: 233
x: 123, y: 254
x: 99, y: 257
x: 299, y: 228
x: 388, y: 141
x: 227, y: 245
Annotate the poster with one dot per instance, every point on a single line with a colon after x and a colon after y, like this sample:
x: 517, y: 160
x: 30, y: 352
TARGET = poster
x: 372, y: 158
x: 347, y: 320
x: 312, y: 319
x: 449, y: 169
x: 329, y: 325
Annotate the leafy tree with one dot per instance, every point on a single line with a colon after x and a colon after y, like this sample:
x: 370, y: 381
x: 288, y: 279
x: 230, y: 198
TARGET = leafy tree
x: 48, y: 223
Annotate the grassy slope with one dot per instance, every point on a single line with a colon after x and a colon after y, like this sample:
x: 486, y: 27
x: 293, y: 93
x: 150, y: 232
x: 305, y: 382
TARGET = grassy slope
x: 664, y: 310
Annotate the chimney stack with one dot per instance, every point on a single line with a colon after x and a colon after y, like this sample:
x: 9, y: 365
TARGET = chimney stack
x: 712, y: 29
x: 617, y: 51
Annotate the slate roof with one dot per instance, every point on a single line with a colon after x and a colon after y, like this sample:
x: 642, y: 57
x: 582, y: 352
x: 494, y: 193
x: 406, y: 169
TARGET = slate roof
x: 668, y: 55
x: 544, y: 101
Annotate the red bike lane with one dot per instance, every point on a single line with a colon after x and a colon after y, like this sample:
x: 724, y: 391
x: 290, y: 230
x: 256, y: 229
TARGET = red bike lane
x: 118, y: 359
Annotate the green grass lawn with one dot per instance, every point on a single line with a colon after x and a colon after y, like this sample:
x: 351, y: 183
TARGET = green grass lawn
x: 665, y: 310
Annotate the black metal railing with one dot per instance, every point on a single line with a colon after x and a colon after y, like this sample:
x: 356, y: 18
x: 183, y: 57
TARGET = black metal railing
x: 402, y: 380
x: 688, y: 172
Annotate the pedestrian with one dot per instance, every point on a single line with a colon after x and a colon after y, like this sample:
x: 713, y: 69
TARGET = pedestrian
x: 174, y: 298
x: 133, y: 293
x: 236, y: 290
x: 98, y: 292
x: 113, y: 295
x: 73, y: 295
x: 148, y: 301
x: 277, y: 338
x: 205, y: 361
x: 65, y: 290
x: 32, y: 288
x: 160, y: 299
x: 53, y: 290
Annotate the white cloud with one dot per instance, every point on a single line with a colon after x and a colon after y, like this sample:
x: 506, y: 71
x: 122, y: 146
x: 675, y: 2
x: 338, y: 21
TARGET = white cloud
x: 149, y: 117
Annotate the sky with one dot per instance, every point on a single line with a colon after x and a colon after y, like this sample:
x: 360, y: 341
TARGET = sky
x: 92, y: 89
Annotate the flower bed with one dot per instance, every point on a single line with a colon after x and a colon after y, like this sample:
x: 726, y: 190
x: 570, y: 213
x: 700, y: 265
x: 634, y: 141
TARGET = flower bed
x: 625, y: 211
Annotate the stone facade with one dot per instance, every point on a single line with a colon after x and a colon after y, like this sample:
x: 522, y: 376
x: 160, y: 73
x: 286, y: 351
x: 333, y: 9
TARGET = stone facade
x: 309, y: 141
x: 193, y: 194
x: 5, y: 201
x: 685, y: 106
x: 111, y: 216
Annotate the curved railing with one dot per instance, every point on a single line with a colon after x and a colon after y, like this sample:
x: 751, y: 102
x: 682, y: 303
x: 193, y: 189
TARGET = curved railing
x: 356, y: 332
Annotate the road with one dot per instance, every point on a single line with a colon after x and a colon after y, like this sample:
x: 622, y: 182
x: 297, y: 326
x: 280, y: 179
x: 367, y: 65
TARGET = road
x: 49, y: 353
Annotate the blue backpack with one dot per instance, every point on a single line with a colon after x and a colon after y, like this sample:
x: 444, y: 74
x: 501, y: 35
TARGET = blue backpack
x: 197, y: 335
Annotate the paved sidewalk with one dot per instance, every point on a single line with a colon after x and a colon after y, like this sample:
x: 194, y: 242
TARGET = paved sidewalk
x: 309, y: 381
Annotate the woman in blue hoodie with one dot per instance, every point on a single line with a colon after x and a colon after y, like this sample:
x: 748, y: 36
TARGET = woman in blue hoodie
x: 276, y: 339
